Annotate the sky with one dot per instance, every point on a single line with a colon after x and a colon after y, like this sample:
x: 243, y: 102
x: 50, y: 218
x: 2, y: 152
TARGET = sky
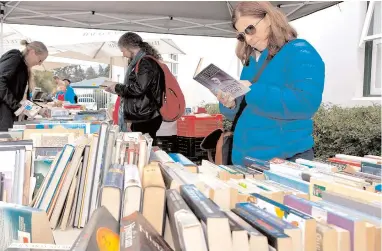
x: 219, y: 51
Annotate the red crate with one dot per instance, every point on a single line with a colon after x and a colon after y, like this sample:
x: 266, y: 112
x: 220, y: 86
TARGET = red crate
x: 198, y: 125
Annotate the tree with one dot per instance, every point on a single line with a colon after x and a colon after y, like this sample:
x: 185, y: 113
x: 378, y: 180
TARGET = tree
x: 44, y: 80
x: 105, y: 72
x: 90, y: 73
x: 79, y: 74
x: 100, y: 70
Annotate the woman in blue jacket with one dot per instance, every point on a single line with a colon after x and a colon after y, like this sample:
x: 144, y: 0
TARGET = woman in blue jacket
x: 277, y: 119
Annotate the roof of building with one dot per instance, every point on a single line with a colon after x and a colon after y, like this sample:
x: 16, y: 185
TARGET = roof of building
x: 89, y: 83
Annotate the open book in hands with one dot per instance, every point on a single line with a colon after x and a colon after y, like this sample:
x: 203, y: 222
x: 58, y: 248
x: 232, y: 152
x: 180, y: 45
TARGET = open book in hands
x: 108, y: 86
x: 28, y: 108
x: 219, y: 82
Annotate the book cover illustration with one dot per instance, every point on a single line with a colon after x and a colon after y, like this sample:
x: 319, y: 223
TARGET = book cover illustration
x: 14, y: 227
x: 217, y: 80
x: 41, y: 169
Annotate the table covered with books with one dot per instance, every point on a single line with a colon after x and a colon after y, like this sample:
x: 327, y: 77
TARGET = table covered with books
x: 81, y: 184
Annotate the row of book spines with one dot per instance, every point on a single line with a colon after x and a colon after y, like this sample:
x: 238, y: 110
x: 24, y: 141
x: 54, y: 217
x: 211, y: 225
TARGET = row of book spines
x: 272, y: 227
x: 356, y: 226
x: 338, y: 160
x: 304, y: 186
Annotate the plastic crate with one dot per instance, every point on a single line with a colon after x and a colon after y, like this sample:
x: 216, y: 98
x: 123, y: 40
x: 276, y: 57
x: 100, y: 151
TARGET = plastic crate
x: 190, y: 147
x: 198, y: 125
x: 167, y: 143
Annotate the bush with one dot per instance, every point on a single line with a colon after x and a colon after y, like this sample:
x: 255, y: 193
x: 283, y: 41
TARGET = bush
x: 351, y: 130
x: 354, y: 131
x: 213, y: 108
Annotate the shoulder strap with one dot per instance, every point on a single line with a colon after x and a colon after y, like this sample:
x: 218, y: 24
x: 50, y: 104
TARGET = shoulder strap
x: 145, y: 56
x: 136, y: 72
x: 258, y: 74
x: 243, y: 103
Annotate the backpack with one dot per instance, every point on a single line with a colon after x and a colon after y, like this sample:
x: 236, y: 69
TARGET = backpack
x: 174, y: 104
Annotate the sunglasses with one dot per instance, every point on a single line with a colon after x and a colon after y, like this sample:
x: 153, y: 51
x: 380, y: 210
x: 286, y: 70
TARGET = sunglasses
x: 250, y: 30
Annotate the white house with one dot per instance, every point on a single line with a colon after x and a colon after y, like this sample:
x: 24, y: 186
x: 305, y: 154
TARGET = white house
x: 353, y: 72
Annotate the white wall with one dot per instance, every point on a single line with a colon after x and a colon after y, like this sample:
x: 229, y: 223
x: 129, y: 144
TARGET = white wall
x: 335, y: 33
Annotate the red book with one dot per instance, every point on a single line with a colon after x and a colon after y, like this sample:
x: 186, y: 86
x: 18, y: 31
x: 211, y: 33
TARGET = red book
x: 115, y: 112
x: 348, y: 162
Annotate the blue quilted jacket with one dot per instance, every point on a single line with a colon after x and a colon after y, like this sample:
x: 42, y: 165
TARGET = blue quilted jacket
x: 277, y: 121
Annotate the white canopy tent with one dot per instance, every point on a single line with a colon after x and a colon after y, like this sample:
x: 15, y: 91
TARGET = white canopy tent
x: 198, y: 18
x: 49, y: 65
x: 109, y: 53
x: 97, y: 52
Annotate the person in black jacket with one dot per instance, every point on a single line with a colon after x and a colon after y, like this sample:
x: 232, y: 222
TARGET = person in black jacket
x: 141, y: 92
x: 15, y: 71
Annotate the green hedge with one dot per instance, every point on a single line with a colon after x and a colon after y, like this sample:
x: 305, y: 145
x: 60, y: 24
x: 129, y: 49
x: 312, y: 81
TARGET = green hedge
x: 354, y: 131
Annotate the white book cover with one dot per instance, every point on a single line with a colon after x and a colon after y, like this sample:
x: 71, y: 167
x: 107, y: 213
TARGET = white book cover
x: 132, y: 177
x: 209, y: 168
x: 314, y: 164
x: 89, y: 176
x: 21, y: 175
x: 287, y: 167
x: 39, y: 246
x: 82, y: 183
x: 8, y: 167
x: 132, y: 181
x: 142, y: 156
x: 98, y: 167
x: 163, y: 157
x: 109, y: 152
x: 117, y: 150
x: 149, y: 142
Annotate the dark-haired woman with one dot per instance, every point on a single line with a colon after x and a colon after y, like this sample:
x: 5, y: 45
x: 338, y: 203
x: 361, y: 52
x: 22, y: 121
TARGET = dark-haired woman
x: 15, y: 68
x: 141, y: 92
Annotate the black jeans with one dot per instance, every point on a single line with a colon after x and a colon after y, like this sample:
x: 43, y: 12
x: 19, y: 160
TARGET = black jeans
x: 308, y: 155
x: 151, y: 127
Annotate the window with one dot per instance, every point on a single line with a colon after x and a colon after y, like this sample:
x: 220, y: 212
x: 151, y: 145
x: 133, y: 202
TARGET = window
x: 373, y: 50
x: 174, y: 66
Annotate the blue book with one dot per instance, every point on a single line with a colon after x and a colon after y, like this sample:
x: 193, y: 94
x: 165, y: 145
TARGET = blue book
x: 305, y: 222
x: 297, y: 184
x: 287, y: 228
x: 180, y: 158
x: 202, y: 206
x: 276, y: 238
x: 248, y: 161
x: 371, y: 168
x: 269, y: 218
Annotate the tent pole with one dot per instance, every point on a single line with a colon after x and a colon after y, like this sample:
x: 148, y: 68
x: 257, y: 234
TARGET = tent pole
x: 2, y: 29
x: 111, y: 69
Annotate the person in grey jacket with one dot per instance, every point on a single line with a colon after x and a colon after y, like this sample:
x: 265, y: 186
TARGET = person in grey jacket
x: 15, y: 71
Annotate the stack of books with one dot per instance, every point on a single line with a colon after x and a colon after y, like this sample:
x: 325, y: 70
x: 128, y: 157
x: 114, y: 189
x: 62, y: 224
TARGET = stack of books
x: 125, y: 194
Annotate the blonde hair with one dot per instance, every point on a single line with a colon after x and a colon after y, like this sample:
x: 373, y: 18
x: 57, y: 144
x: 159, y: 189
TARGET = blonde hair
x: 280, y: 31
x: 37, y: 46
